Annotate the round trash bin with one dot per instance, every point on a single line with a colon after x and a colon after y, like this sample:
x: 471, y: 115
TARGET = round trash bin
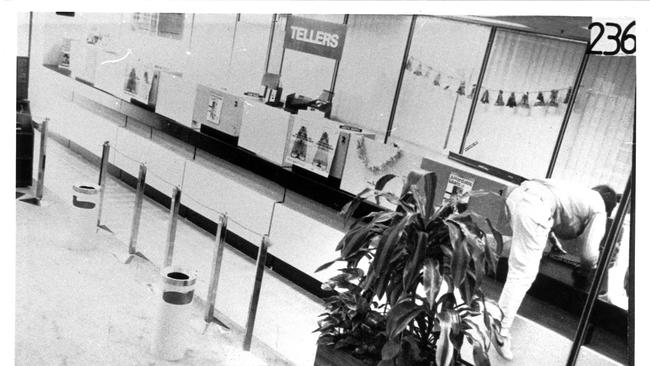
x: 85, y: 200
x: 174, y: 310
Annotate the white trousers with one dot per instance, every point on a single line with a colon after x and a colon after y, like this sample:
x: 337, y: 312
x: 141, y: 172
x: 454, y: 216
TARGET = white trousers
x: 531, y: 208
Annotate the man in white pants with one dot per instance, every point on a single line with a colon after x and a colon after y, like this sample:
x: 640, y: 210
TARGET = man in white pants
x: 538, y: 209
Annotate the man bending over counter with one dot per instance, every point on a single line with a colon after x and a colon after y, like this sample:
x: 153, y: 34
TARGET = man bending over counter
x: 540, y: 210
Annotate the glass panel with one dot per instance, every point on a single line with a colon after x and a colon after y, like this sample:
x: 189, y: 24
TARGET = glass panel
x: 369, y: 69
x: 249, y: 53
x: 277, y: 45
x: 597, y: 146
x: 436, y: 91
x: 523, y: 101
x: 23, y: 34
x: 211, y: 45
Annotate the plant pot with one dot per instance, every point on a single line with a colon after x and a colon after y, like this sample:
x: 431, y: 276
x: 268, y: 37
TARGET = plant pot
x: 328, y: 356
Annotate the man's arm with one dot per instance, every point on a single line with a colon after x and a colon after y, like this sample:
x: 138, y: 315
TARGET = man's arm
x: 556, y: 246
x: 591, y: 238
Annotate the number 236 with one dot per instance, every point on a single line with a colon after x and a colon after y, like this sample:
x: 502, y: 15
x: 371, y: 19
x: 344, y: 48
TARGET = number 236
x: 620, y: 39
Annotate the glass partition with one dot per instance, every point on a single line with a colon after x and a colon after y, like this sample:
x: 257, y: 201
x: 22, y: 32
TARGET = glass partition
x: 436, y: 91
x: 249, y: 53
x: 523, y: 100
x: 369, y: 69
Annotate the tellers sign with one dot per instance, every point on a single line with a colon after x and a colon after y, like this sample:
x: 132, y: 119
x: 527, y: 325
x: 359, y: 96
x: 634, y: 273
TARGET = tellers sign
x: 314, y: 36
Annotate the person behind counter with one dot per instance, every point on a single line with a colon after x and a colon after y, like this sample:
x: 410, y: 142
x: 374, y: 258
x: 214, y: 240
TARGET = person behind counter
x: 540, y: 210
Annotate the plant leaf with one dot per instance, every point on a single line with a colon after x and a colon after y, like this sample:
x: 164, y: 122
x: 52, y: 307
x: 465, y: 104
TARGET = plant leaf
x: 459, y: 263
x: 391, y: 349
x: 480, y: 355
x: 400, y: 316
x: 432, y: 281
x: 419, y: 198
x: 414, y: 265
x: 412, y: 178
x: 384, y: 249
x: 455, y: 235
x: 349, y: 208
x: 444, y: 347
x: 430, y: 182
x: 381, y: 182
x: 497, y: 237
x: 354, y: 241
x: 327, y: 265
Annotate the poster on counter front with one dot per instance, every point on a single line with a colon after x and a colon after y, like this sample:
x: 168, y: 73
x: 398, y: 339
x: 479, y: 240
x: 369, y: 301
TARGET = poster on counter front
x: 312, y: 144
x: 139, y: 80
x: 457, y: 186
x: 214, y: 108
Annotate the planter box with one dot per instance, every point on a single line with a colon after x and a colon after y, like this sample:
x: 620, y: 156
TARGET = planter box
x: 328, y: 356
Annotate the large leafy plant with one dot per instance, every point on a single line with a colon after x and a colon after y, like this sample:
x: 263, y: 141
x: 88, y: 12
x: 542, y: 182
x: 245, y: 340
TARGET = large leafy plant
x: 421, y: 297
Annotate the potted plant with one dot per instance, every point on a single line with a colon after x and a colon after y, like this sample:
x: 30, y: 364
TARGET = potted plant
x: 420, y: 297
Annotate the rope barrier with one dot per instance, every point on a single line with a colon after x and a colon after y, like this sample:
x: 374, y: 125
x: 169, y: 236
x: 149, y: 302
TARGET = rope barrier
x: 127, y: 156
x: 230, y: 218
x: 187, y: 196
x: 162, y: 179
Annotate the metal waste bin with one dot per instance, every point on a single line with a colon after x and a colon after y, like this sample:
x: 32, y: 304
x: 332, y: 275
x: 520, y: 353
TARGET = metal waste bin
x: 85, y: 200
x: 174, y: 311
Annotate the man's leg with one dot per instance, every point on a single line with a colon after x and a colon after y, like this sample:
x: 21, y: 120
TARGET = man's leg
x: 531, y: 223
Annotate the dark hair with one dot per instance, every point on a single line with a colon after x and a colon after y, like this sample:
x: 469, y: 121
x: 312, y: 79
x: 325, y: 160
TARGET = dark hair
x: 609, y: 197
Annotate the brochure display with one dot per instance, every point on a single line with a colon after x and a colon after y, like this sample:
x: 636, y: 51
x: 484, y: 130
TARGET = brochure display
x: 313, y: 143
x: 456, y: 187
x: 218, y: 109
x: 139, y: 81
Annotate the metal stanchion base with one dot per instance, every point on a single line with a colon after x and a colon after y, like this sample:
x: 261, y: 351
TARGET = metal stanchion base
x: 32, y: 201
x: 35, y: 201
x: 131, y: 257
x: 218, y: 322
x: 105, y: 228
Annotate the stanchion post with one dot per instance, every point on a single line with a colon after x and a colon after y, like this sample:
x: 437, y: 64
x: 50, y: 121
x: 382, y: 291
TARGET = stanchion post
x: 137, y: 208
x: 103, y: 172
x: 171, y: 229
x: 220, y: 243
x: 255, y: 297
x: 41, y: 160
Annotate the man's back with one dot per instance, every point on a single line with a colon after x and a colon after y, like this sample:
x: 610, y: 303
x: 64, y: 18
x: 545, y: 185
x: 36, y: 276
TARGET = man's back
x: 575, y: 206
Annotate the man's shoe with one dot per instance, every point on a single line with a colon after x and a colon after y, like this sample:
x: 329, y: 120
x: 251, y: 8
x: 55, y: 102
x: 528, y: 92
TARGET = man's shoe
x: 504, y: 347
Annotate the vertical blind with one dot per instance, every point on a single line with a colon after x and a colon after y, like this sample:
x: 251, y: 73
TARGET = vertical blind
x: 597, y: 147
